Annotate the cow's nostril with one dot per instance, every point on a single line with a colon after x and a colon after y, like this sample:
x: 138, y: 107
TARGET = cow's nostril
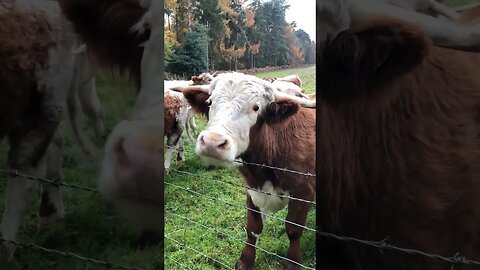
x: 202, y: 141
x: 223, y: 144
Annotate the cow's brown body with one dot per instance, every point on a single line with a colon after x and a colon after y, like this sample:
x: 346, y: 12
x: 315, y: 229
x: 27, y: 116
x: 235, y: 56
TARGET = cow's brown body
x: 269, y: 145
x: 398, y: 148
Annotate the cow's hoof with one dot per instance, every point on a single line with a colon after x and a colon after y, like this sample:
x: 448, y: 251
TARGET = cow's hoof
x: 166, y: 171
x: 148, y: 239
x: 53, y: 217
x: 240, y: 265
x: 290, y: 266
x: 6, y: 251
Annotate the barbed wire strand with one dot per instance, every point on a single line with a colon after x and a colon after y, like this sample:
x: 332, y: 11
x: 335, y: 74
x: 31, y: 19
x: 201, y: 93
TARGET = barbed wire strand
x: 263, y: 165
x: 253, y: 189
x: 16, y: 173
x: 199, y: 252
x: 238, y: 239
x: 382, y: 245
x: 69, y: 254
x: 275, y: 168
x: 456, y: 259
x: 238, y: 205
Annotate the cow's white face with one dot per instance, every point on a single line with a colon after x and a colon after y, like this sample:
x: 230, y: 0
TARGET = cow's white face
x: 236, y: 101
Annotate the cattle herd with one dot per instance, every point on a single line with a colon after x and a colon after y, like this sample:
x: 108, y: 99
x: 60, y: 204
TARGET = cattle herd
x: 394, y: 140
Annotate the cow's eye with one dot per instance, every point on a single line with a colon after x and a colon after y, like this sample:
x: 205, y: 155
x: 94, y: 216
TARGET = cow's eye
x: 255, y: 108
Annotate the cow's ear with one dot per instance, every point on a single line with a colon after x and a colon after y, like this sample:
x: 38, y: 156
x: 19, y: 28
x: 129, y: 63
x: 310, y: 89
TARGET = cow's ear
x: 361, y: 60
x: 198, y: 100
x: 279, y: 111
x: 196, y: 79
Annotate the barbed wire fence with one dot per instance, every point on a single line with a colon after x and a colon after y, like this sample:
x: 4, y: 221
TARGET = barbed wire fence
x: 456, y: 259
x: 63, y: 253
x: 382, y: 245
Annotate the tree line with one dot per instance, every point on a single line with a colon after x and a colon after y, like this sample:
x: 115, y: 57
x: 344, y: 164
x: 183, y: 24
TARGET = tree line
x: 203, y: 35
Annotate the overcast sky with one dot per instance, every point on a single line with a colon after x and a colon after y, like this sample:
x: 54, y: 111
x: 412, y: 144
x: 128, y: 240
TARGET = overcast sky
x: 303, y: 12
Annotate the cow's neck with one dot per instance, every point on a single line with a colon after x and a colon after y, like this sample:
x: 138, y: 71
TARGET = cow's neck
x: 275, y: 145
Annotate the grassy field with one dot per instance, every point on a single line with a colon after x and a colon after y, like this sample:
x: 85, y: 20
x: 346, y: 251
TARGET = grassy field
x: 208, y: 225
x: 90, y: 227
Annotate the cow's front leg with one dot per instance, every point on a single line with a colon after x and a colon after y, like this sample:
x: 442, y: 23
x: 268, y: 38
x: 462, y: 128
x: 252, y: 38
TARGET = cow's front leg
x: 254, y: 228
x: 181, y: 150
x: 27, y: 154
x: 172, y: 143
x: 19, y: 195
x: 51, y: 205
x: 297, y: 213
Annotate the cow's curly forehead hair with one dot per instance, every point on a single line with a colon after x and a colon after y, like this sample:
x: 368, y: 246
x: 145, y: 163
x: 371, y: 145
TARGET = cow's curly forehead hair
x: 241, y: 86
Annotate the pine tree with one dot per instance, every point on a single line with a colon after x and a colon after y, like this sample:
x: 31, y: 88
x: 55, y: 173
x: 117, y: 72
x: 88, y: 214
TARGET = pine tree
x: 190, y: 58
x: 169, y: 44
x: 210, y: 14
x: 235, y: 40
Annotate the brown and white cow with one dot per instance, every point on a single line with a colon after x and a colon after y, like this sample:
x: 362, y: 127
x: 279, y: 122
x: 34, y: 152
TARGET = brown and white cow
x: 36, y: 69
x: 132, y: 174
x: 290, y: 84
x: 203, y: 78
x: 176, y: 119
x: 398, y: 148
x: 249, y: 118
x: 179, y: 117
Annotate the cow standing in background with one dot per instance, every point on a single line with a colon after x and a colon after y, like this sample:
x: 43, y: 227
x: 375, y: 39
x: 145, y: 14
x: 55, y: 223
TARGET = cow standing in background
x: 176, y: 118
x: 179, y: 117
x: 290, y: 84
x: 36, y: 70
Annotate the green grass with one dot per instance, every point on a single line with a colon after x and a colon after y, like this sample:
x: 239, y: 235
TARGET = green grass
x: 91, y: 228
x: 223, y: 185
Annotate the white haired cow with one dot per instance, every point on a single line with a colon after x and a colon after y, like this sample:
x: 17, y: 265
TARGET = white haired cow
x: 249, y: 118
x: 179, y: 117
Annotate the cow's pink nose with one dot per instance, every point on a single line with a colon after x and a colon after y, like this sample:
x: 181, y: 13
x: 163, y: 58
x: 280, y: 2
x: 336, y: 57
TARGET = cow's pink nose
x: 213, y: 144
x: 213, y: 140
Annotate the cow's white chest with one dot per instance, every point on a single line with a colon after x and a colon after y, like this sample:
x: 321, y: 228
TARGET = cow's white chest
x: 269, y: 203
